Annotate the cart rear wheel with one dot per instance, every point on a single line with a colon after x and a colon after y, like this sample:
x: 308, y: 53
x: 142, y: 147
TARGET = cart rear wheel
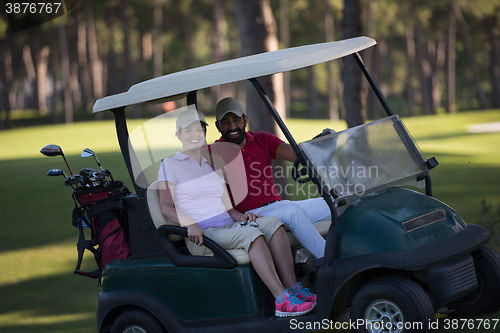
x: 392, y: 304
x: 485, y: 298
x: 136, y: 321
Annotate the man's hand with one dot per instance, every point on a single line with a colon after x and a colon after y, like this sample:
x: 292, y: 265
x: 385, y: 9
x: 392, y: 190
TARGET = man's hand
x: 195, y: 233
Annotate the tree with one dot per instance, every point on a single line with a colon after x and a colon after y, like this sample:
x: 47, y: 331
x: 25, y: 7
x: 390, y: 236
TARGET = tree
x: 450, y: 62
x: 6, y: 78
x: 470, y: 54
x: 494, y: 31
x: 257, y: 29
x: 220, y: 48
x: 84, y: 70
x: 424, y: 69
x: 285, y: 42
x: 63, y: 45
x: 354, y: 101
x: 332, y: 102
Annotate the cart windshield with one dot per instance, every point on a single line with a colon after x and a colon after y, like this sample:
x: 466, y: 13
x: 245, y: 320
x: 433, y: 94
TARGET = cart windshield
x: 366, y: 158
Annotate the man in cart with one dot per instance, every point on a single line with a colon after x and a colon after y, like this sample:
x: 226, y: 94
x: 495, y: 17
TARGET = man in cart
x: 258, y: 150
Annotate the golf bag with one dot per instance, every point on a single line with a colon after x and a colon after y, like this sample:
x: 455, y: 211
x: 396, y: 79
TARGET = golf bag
x: 102, y: 210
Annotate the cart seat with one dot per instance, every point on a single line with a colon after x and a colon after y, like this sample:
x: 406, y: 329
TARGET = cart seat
x: 241, y: 256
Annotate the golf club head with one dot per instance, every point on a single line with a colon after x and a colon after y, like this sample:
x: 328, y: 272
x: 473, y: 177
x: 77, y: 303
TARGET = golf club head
x: 88, y: 152
x: 87, y: 172
x: 74, y: 179
x: 107, y: 173
x: 98, y: 175
x: 52, y: 150
x: 56, y: 172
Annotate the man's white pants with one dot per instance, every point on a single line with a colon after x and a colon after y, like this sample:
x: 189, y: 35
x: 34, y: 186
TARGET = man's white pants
x: 298, y: 217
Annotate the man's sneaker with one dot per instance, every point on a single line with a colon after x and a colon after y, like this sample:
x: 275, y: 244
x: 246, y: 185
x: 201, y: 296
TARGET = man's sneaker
x: 304, y: 294
x: 292, y: 306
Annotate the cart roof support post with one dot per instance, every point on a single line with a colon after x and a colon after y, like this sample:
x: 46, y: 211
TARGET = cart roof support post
x: 123, y: 138
x: 372, y: 83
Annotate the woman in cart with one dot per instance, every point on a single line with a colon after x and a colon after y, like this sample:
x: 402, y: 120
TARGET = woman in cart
x: 193, y: 195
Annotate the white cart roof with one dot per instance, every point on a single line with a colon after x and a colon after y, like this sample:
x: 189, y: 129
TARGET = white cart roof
x: 233, y: 70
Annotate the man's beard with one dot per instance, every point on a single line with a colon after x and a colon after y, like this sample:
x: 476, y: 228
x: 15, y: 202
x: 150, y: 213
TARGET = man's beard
x: 237, y: 140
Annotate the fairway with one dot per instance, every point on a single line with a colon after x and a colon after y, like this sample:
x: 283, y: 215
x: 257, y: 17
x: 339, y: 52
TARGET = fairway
x: 37, y: 243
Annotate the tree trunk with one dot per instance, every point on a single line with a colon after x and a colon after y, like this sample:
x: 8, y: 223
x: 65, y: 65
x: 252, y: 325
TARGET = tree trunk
x: 332, y: 101
x: 68, y: 101
x: 54, y: 63
x: 424, y: 71
x: 257, y: 29
x: 494, y: 32
x: 470, y: 55
x: 410, y: 74
x: 187, y: 32
x: 5, y: 80
x: 437, y: 55
x: 285, y: 41
x: 450, y: 62
x: 30, y: 70
x: 220, y: 49
x: 157, y: 38
x: 131, y: 72
x: 312, y: 94
x: 354, y: 100
x: 41, y: 78
x: 95, y: 62
x: 112, y: 77
x: 372, y: 61
x: 88, y: 97
x: 258, y: 34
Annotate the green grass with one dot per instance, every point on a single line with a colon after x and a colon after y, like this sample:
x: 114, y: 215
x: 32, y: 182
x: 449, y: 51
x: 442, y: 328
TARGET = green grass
x: 38, y: 291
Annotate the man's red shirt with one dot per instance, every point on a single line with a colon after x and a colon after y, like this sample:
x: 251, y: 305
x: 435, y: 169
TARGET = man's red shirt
x: 258, y: 154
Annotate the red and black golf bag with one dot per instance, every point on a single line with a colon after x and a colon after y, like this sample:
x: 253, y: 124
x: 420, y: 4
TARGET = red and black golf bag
x: 103, y: 211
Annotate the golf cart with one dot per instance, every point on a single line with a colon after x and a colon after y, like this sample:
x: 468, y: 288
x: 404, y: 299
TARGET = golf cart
x: 394, y: 256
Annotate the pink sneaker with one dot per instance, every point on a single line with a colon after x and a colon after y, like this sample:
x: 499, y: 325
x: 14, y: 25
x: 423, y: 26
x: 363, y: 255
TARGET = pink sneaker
x: 292, y: 306
x: 305, y: 295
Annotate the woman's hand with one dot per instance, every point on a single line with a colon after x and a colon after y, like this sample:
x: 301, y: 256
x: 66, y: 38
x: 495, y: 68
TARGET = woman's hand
x: 195, y: 233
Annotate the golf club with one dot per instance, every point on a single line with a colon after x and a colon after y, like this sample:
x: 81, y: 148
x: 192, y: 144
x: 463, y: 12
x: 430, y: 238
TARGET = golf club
x: 74, y: 180
x: 57, y: 172
x: 55, y: 150
x: 87, y: 153
x: 99, y: 177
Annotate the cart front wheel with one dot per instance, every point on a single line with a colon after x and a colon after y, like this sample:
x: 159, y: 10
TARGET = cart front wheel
x: 136, y: 321
x: 485, y: 298
x: 391, y: 304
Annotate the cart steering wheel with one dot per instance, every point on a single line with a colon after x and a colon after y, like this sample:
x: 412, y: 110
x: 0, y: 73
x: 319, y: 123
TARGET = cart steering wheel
x: 297, y: 174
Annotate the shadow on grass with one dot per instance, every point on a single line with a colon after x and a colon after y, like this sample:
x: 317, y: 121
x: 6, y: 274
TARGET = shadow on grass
x: 60, y: 303
x: 77, y: 326
x: 38, y: 208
